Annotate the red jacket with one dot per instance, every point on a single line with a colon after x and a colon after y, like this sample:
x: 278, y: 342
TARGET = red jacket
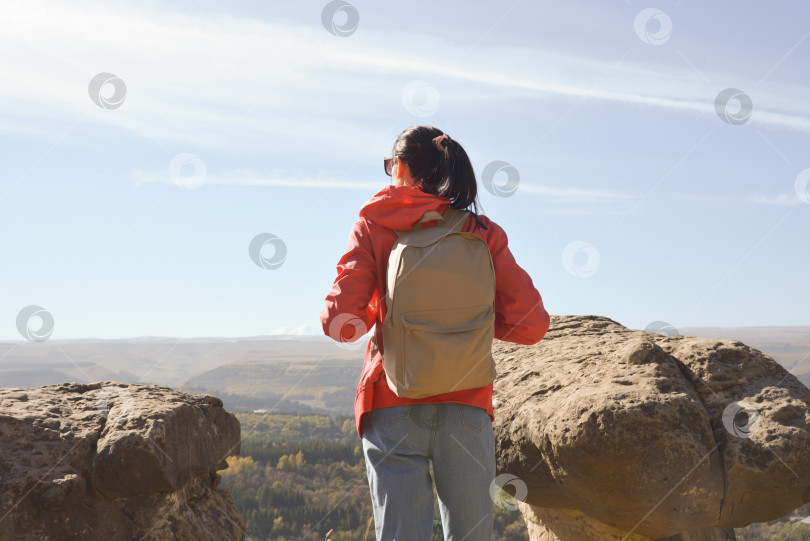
x: 358, y: 294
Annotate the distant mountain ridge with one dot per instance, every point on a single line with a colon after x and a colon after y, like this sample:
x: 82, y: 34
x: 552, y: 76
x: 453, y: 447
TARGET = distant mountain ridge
x: 162, y: 361
x: 252, y: 372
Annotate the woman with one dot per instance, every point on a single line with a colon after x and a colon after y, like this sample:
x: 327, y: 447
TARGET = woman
x: 453, y: 430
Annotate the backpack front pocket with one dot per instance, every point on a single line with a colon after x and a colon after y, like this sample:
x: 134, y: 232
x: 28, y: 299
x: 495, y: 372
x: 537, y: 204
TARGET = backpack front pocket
x: 446, y: 350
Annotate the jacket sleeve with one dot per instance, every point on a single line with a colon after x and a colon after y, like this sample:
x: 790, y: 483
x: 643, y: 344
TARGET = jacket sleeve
x: 350, y: 309
x: 520, y: 316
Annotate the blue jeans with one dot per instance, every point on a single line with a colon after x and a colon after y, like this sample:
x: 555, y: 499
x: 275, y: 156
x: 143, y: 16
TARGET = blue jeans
x: 398, y: 443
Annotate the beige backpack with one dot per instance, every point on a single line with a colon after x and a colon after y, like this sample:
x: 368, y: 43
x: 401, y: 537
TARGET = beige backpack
x: 440, y: 301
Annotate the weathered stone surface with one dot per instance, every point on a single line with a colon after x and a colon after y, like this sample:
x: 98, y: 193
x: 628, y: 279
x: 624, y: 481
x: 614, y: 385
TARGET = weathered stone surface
x: 647, y: 434
x: 110, y: 460
x: 560, y: 524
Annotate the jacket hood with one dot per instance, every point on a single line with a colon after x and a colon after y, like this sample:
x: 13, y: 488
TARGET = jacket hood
x: 400, y: 207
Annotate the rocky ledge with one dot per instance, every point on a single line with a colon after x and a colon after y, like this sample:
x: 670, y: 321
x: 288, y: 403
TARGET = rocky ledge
x: 109, y: 460
x: 609, y: 433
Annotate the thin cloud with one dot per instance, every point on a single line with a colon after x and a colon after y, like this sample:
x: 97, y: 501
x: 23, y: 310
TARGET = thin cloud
x: 252, y: 179
x: 558, y: 195
x: 573, y: 194
x: 238, y: 179
x: 781, y: 200
x: 298, y: 330
x: 209, y: 79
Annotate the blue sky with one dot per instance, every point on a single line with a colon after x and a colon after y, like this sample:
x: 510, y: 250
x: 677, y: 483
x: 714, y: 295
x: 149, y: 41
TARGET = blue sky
x: 129, y: 212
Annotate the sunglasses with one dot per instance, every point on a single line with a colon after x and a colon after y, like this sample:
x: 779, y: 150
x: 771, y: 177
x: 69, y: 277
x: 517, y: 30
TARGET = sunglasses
x: 388, y: 163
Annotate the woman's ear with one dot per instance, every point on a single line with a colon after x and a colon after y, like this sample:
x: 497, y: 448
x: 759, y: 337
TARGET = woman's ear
x: 402, y: 174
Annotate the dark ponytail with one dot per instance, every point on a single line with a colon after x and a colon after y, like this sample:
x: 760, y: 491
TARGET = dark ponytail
x: 440, y: 165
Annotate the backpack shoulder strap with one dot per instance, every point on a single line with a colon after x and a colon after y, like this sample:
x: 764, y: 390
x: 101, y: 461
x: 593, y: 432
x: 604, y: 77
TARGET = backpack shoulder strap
x: 455, y: 218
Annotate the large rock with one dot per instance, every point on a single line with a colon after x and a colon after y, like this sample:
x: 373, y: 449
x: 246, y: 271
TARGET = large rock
x: 108, y: 461
x: 643, y: 436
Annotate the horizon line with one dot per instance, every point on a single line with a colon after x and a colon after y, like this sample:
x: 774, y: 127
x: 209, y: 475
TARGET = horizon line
x: 325, y: 337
